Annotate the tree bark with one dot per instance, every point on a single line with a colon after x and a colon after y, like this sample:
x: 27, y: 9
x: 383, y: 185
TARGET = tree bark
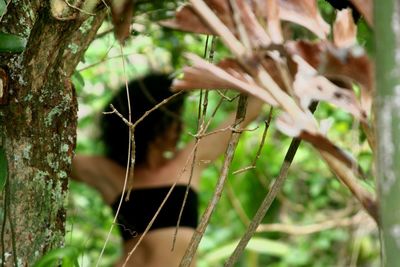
x: 38, y: 124
x: 387, y: 32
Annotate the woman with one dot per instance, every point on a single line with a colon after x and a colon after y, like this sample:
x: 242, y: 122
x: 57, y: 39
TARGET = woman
x: 158, y: 166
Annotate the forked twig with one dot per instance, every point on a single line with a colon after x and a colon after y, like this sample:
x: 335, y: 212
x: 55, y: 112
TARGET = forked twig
x: 129, y: 169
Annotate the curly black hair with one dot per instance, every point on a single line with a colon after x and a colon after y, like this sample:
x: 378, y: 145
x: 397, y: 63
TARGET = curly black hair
x: 144, y: 93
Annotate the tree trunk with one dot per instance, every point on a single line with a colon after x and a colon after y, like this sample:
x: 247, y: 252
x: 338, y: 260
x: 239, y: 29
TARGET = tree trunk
x: 38, y: 123
x: 387, y: 31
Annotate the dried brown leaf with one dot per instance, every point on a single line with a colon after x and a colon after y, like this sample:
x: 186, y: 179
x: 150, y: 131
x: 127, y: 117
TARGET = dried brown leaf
x: 306, y: 14
x: 354, y: 65
x: 205, y: 75
x: 344, y: 29
x: 187, y: 20
x: 121, y: 12
x: 273, y: 64
x: 286, y: 124
x: 274, y: 23
x: 346, y: 176
x: 259, y: 38
x: 339, y: 65
x: 309, y: 86
x: 267, y: 12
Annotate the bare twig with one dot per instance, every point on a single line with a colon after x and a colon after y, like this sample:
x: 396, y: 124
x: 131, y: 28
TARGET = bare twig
x: 266, y: 203
x: 253, y: 164
x: 129, y: 169
x: 198, y: 234
x: 133, y: 125
x: 79, y: 9
x: 200, y: 124
x: 166, y: 100
x: 315, y: 227
x: 237, y: 205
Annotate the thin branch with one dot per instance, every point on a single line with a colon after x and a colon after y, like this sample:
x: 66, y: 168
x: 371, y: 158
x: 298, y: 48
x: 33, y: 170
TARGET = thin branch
x: 237, y: 206
x: 266, y: 203
x: 200, y: 124
x: 198, y: 234
x: 79, y: 9
x: 315, y: 227
x: 128, y: 170
x: 253, y: 164
x: 133, y: 125
x: 165, y: 101
x: 229, y: 99
x: 269, y: 198
x: 233, y: 129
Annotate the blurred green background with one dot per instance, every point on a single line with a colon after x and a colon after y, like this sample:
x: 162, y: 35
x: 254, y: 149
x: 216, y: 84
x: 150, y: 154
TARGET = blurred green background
x: 313, y: 222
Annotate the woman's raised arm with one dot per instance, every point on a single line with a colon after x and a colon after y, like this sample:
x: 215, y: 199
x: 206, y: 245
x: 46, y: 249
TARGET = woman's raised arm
x: 211, y: 146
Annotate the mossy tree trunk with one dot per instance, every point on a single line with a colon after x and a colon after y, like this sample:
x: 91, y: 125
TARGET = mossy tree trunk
x: 387, y: 31
x: 38, y: 123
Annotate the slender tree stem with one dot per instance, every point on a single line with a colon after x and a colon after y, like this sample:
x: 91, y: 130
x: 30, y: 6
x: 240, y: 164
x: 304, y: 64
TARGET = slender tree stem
x: 197, y: 236
x: 266, y: 203
x: 269, y: 198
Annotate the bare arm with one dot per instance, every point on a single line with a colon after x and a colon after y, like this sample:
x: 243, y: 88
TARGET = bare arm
x: 211, y: 146
x: 100, y: 173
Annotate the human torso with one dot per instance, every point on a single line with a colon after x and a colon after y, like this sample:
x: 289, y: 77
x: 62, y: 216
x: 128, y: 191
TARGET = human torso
x: 155, y: 248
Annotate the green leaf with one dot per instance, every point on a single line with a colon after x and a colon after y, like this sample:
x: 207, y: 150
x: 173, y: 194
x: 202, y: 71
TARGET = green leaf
x: 11, y: 43
x: 3, y: 168
x: 68, y: 255
x: 258, y: 245
x: 3, y: 7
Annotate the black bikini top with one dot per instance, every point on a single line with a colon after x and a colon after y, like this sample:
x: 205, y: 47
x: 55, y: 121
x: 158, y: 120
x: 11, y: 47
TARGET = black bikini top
x: 136, y: 213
